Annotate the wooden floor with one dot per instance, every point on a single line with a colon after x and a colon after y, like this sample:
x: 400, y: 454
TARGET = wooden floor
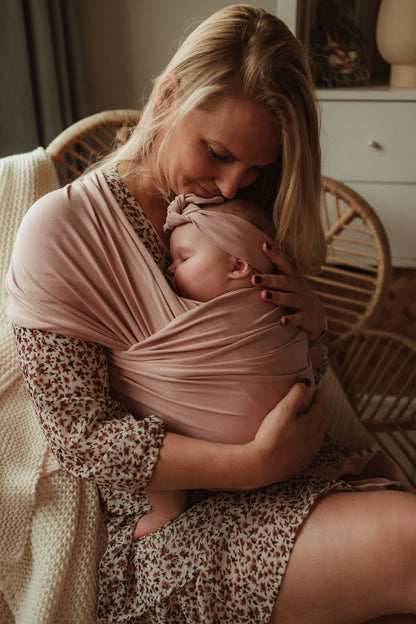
x: 399, y: 314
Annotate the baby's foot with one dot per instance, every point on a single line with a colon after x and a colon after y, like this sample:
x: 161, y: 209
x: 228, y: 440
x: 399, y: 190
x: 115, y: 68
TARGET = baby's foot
x: 149, y: 523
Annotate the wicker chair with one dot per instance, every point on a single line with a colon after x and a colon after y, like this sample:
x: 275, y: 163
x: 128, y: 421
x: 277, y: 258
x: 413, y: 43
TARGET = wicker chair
x: 88, y: 140
x: 376, y: 369
x: 355, y: 279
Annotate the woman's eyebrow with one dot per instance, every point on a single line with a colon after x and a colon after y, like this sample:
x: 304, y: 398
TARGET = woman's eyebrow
x: 232, y: 156
x: 226, y: 150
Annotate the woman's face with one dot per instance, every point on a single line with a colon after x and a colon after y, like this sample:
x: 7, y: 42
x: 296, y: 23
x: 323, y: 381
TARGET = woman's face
x: 220, y: 150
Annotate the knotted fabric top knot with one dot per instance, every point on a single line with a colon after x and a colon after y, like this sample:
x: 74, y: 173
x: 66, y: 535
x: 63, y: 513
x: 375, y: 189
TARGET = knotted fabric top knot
x: 229, y: 232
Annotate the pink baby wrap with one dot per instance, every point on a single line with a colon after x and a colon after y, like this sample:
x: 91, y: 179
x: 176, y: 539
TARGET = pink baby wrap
x: 210, y: 370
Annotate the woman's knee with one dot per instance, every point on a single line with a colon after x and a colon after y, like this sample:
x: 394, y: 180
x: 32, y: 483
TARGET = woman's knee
x: 382, y: 525
x: 353, y: 544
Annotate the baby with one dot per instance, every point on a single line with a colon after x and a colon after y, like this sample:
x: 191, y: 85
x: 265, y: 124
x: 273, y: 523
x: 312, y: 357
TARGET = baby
x: 214, y: 250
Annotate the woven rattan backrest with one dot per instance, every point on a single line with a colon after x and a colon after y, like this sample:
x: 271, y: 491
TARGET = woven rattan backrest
x: 355, y: 279
x: 88, y: 140
x: 377, y: 370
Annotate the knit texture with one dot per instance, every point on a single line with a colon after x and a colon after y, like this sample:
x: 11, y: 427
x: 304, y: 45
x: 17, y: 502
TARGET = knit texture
x: 51, y: 530
x: 23, y: 179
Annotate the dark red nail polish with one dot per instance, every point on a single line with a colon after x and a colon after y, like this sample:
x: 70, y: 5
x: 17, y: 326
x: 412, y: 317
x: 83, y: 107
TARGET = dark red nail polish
x: 257, y: 279
x: 268, y: 246
x: 306, y: 382
x: 268, y: 294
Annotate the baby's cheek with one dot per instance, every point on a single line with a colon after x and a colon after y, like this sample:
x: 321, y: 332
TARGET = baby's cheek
x: 182, y: 284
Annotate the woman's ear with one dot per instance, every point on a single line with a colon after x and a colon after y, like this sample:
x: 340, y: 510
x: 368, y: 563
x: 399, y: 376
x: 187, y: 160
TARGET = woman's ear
x: 167, y: 92
x: 240, y: 269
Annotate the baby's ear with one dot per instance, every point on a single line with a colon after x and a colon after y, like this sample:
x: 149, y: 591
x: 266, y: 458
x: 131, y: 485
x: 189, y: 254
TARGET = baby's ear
x: 240, y: 269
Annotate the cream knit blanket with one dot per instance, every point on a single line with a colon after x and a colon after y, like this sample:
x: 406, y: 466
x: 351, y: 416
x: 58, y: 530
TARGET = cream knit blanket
x: 50, y: 524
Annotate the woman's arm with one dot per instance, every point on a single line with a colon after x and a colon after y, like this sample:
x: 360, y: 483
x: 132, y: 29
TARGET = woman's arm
x: 285, y: 444
x: 95, y: 437
x: 91, y: 435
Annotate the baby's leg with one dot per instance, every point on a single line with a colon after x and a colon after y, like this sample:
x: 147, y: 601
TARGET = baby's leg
x: 166, y: 506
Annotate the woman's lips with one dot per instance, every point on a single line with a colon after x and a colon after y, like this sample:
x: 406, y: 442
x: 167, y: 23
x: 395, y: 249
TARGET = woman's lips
x: 207, y: 194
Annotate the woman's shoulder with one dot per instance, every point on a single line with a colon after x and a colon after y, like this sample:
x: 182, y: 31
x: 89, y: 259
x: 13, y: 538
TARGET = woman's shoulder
x: 66, y: 207
x: 42, y: 216
x: 56, y: 202
x: 51, y: 225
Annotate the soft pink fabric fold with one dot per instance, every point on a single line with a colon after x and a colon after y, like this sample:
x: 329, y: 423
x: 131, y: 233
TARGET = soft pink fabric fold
x: 211, y: 370
x: 376, y: 471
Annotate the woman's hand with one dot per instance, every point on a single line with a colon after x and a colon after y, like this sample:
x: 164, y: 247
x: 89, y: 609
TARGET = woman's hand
x: 287, y: 442
x: 287, y: 289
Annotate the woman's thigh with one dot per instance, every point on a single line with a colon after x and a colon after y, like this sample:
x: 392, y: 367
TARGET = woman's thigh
x: 353, y: 560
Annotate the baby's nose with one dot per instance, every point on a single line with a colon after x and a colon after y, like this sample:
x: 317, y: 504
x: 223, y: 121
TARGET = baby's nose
x: 170, y: 271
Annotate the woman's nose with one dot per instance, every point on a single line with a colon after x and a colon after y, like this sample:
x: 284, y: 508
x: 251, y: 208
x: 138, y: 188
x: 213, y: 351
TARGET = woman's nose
x: 229, y: 183
x: 227, y: 188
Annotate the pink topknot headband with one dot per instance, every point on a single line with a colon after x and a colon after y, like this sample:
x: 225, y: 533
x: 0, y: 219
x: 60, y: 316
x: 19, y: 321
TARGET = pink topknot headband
x: 233, y: 234
x: 182, y: 205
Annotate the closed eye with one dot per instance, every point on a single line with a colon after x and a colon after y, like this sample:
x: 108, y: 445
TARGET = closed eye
x: 228, y: 159
x: 180, y: 255
x: 218, y: 157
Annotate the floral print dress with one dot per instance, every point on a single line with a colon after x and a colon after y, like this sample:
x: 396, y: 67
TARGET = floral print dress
x: 224, y: 558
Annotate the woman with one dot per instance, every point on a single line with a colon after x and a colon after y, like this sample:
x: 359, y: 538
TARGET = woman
x: 233, y: 113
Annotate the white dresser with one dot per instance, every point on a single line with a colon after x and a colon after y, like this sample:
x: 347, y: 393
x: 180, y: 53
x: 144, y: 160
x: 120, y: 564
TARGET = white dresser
x: 368, y: 141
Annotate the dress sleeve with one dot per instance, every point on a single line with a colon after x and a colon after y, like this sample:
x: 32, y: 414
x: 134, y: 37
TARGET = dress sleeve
x: 92, y: 435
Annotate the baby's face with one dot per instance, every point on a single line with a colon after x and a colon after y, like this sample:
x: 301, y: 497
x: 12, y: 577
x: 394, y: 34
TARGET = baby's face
x: 199, y: 269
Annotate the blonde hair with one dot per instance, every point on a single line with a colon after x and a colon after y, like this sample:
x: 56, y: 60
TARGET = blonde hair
x: 246, y: 52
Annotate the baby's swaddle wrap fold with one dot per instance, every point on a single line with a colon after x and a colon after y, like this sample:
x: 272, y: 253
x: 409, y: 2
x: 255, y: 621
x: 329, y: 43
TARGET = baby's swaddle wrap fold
x: 211, y: 370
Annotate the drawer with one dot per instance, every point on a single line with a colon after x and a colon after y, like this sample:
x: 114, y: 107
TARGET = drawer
x: 349, y: 127
x: 395, y: 204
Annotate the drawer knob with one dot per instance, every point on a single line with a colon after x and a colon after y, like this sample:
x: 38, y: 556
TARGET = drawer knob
x: 374, y: 144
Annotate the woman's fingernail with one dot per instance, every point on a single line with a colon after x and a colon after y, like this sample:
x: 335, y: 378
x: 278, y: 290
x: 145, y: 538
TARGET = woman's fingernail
x: 306, y: 382
x: 268, y: 294
x: 257, y: 279
x: 284, y: 321
x: 268, y: 246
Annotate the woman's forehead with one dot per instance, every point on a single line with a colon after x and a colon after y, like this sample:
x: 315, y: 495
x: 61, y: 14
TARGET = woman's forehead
x: 242, y: 126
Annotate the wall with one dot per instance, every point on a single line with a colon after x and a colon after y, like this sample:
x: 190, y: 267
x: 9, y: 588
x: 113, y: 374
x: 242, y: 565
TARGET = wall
x: 127, y: 42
